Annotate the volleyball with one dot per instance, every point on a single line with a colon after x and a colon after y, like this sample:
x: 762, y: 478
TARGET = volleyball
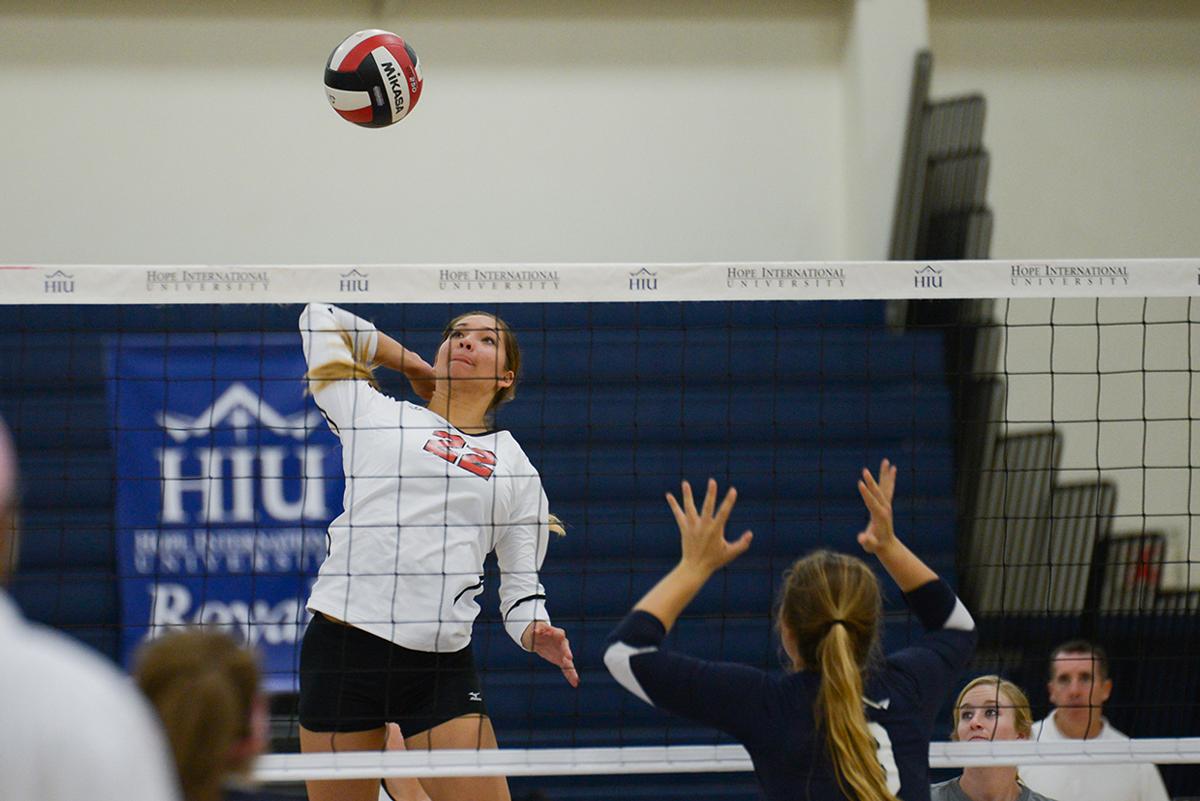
x: 373, y: 78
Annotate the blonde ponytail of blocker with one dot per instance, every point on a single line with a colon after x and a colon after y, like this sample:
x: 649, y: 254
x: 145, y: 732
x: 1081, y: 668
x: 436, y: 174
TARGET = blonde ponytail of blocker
x: 840, y: 713
x: 831, y: 605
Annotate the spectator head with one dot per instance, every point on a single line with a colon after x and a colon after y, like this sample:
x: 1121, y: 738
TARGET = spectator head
x: 1079, y: 682
x: 204, y: 686
x: 991, y: 708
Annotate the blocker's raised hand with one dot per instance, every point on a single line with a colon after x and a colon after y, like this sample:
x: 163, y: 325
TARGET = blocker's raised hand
x: 702, y: 531
x: 877, y: 495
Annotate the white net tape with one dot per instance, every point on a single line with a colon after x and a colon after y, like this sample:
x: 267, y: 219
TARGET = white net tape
x: 688, y: 759
x: 560, y: 283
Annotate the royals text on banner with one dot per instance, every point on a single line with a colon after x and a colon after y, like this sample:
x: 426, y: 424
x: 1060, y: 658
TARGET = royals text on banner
x: 227, y: 477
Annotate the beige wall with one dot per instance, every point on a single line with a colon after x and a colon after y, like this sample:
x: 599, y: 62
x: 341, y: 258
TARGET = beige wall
x: 602, y: 131
x: 609, y: 130
x: 1093, y: 121
x: 1094, y: 130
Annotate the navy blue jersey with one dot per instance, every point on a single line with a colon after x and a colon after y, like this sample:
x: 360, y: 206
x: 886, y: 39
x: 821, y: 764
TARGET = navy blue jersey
x: 771, y: 712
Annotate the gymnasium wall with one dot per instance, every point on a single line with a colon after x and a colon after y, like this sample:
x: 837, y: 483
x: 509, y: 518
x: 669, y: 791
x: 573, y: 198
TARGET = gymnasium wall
x: 612, y: 130
x: 1093, y: 121
x: 1093, y: 126
x: 606, y: 131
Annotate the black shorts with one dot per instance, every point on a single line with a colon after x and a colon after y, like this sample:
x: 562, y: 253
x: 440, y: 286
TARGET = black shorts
x: 354, y: 681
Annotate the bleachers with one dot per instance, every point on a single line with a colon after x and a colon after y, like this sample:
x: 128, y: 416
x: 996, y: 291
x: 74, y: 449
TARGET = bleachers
x: 618, y: 402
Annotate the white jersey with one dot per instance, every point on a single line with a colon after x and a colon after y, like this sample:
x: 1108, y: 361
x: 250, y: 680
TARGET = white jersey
x: 74, y: 726
x: 424, y: 503
x: 1138, y: 782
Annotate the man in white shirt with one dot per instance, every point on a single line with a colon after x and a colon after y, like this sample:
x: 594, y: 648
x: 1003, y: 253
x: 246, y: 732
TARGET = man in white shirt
x: 74, y: 726
x: 1079, y: 686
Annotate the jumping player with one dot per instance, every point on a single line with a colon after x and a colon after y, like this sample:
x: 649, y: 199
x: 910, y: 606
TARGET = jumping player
x: 843, y: 723
x: 430, y: 491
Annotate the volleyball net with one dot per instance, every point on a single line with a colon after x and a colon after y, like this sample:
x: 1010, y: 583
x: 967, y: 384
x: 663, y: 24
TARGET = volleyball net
x: 1042, y: 414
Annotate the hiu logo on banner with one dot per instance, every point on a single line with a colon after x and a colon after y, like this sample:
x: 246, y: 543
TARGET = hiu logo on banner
x: 227, y: 478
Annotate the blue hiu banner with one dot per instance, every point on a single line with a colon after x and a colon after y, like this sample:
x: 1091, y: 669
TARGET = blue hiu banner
x: 226, y: 478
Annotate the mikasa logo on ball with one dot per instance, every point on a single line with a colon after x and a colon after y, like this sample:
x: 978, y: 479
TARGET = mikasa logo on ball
x: 394, y: 79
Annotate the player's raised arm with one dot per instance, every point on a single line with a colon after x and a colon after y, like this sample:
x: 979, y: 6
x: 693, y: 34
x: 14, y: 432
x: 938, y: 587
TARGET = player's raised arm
x: 829, y: 618
x: 704, y: 551
x: 339, y: 345
x: 394, y: 356
x: 879, y: 537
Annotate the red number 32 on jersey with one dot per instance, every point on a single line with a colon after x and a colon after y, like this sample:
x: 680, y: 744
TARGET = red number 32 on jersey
x: 454, y: 449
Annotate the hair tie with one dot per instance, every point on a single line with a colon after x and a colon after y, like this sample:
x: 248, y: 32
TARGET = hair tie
x: 829, y: 626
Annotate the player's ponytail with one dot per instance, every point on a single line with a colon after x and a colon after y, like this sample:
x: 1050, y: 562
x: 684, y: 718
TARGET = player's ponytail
x: 830, y: 608
x: 840, y: 713
x: 356, y: 368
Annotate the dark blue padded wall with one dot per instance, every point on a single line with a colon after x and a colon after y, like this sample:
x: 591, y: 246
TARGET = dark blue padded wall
x: 618, y: 402
x: 786, y: 401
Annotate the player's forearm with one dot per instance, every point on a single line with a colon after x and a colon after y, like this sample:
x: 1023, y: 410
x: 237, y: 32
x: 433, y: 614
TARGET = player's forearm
x: 904, y: 566
x: 391, y: 354
x: 667, y: 599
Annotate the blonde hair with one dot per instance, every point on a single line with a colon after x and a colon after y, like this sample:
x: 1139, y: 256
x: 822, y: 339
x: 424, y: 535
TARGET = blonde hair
x: 356, y: 368
x: 831, y: 606
x: 203, y: 685
x: 557, y: 525
x: 1017, y: 701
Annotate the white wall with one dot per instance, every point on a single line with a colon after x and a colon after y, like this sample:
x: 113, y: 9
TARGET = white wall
x: 885, y: 36
x: 602, y: 131
x: 1094, y: 131
x: 1093, y: 121
x: 606, y: 130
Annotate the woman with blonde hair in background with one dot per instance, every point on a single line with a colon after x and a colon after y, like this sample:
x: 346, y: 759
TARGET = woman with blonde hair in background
x: 205, y: 688
x: 988, y: 709
x: 843, y: 723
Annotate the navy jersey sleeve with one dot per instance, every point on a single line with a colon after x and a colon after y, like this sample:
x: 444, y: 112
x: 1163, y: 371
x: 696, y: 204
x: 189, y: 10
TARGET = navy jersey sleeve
x: 730, y: 697
x: 934, y: 663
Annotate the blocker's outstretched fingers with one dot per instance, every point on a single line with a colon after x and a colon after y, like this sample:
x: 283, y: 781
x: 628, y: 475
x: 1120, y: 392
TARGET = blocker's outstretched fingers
x: 680, y: 517
x: 710, y: 498
x: 887, y: 478
x: 689, y: 503
x: 726, y: 507
x: 871, y: 497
